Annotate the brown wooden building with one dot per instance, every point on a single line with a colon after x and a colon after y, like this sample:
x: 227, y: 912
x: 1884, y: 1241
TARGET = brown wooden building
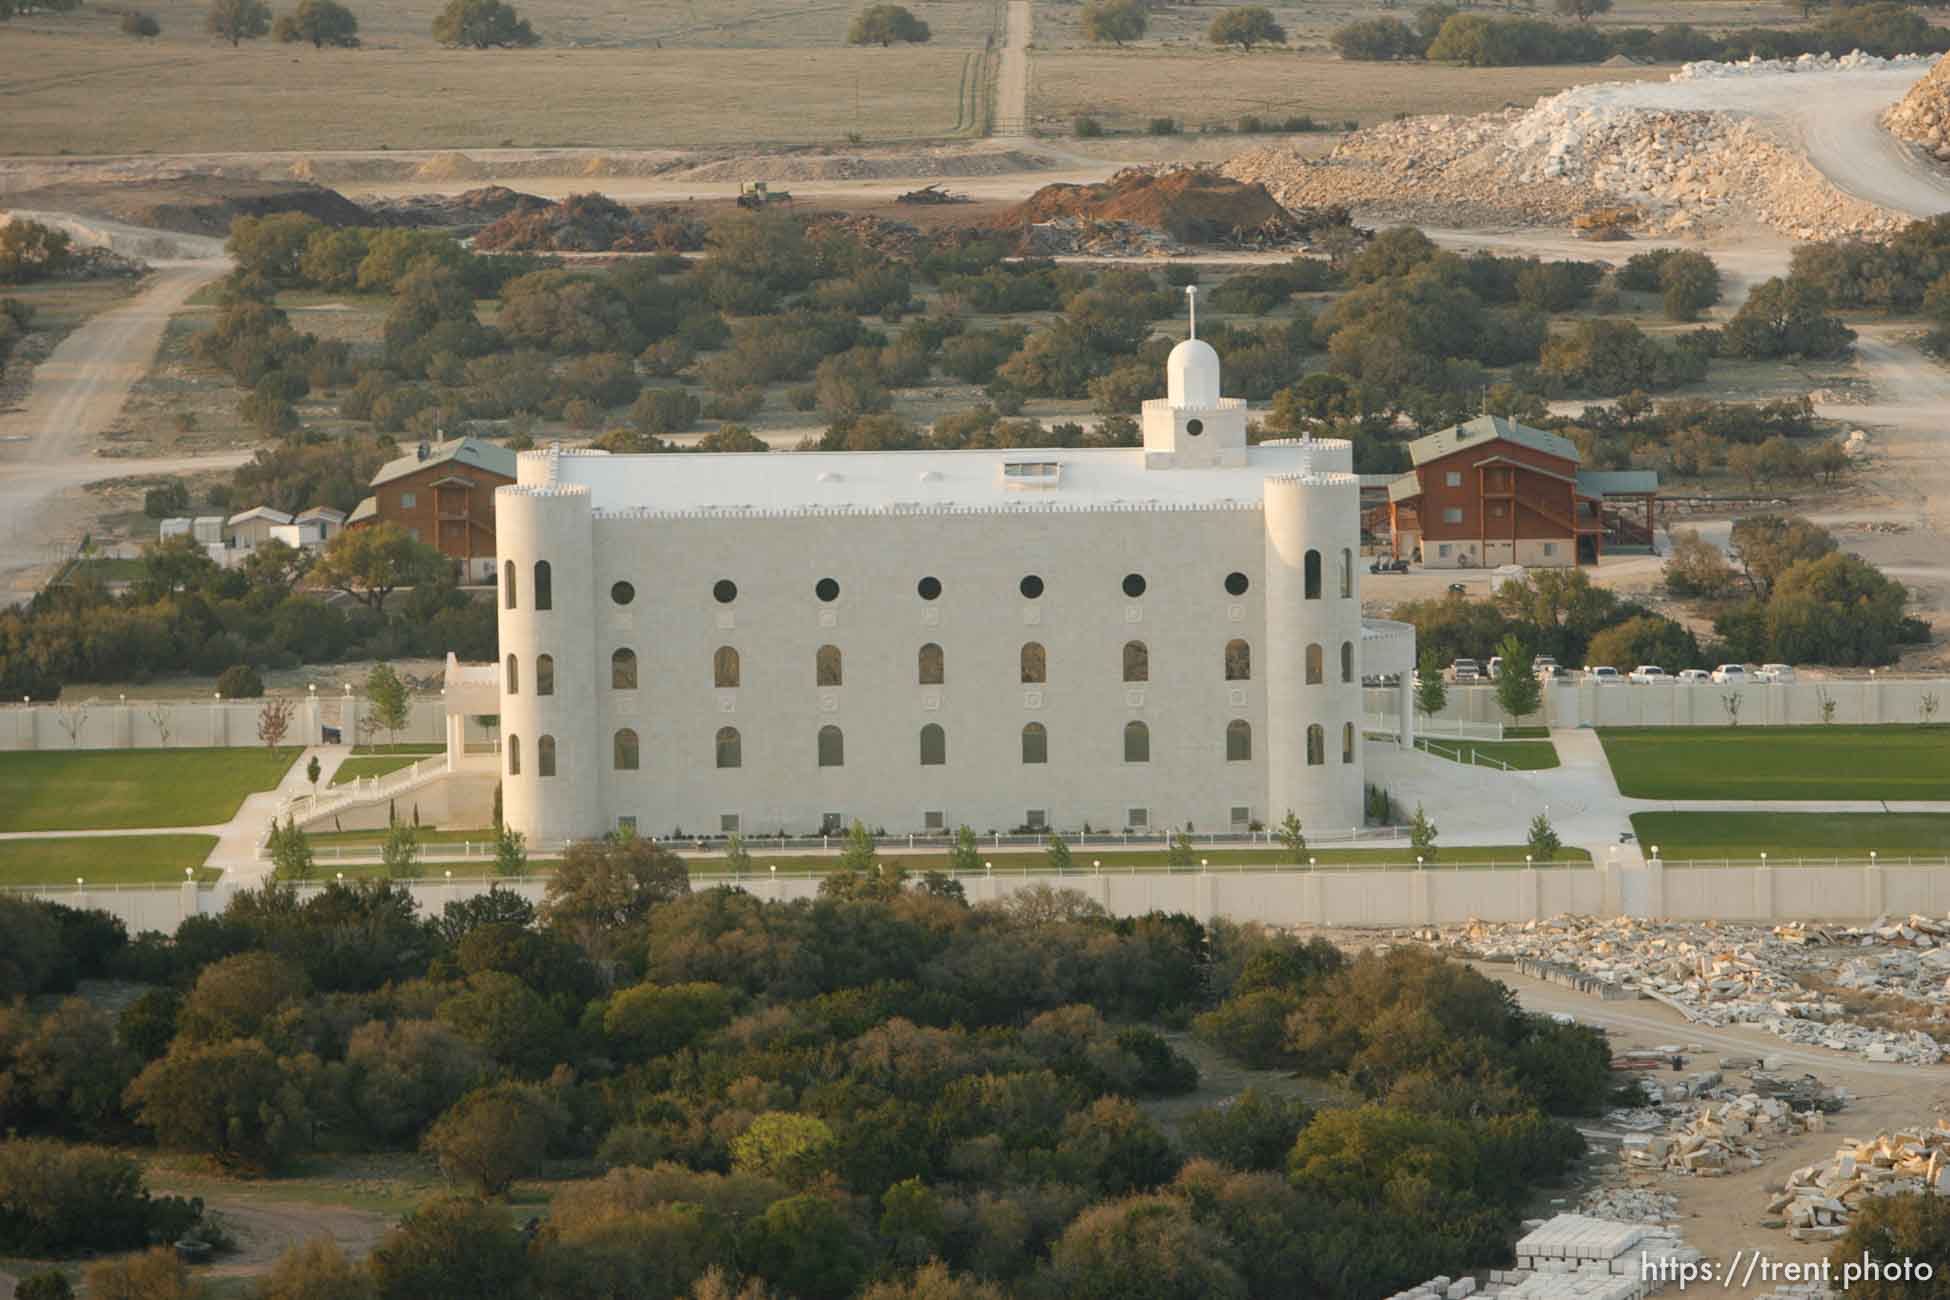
x: 443, y: 494
x: 1493, y: 491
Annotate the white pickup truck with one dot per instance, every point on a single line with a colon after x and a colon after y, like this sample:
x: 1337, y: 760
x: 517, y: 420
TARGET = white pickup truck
x: 1648, y: 675
x: 1604, y: 676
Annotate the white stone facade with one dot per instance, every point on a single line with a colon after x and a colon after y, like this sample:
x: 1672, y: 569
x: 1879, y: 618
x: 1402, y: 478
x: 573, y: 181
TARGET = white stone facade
x: 1190, y: 646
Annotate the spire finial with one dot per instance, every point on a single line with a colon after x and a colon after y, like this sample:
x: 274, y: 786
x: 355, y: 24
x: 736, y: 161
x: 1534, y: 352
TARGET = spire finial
x: 1191, y: 298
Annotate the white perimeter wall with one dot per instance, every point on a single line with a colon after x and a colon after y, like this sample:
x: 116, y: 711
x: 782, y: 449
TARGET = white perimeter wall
x: 1575, y: 704
x: 192, y: 724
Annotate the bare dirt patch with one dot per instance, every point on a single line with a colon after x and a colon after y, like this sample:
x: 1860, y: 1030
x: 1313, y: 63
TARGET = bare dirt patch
x: 200, y: 205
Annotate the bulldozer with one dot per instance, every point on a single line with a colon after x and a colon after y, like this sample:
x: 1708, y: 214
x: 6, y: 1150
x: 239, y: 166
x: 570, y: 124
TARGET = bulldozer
x: 1606, y: 223
x: 757, y: 194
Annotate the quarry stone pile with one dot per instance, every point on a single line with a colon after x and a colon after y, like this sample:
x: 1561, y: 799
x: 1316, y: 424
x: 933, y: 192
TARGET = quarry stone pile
x: 1814, y: 985
x: 1710, y: 1138
x: 1922, y: 116
x: 1572, y: 1257
x: 1679, y: 171
x: 1819, y: 1199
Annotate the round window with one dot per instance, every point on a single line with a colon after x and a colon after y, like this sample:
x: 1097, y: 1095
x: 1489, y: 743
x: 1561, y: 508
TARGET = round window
x: 1134, y: 585
x: 1195, y: 427
x: 1031, y: 587
x: 929, y: 588
x: 622, y: 593
x: 726, y: 591
x: 1236, y: 584
x: 827, y: 590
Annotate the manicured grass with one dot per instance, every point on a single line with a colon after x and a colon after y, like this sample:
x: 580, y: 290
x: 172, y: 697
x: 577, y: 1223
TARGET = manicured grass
x: 105, y: 859
x: 1780, y: 762
x: 117, y: 789
x: 1081, y: 859
x: 1524, y: 755
x: 404, y: 747
x: 1526, y: 733
x: 353, y: 769
x: 1788, y: 835
x: 428, y: 835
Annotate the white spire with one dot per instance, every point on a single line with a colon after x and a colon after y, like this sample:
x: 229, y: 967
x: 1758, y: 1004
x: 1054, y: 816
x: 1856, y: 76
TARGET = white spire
x: 1191, y: 299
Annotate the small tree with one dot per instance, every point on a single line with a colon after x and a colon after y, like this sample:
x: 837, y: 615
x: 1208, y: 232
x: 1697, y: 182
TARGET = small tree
x: 162, y: 718
x: 510, y: 852
x: 238, y: 20
x: 312, y: 772
x: 73, y: 720
x: 965, y: 858
x: 1543, y: 841
x: 1731, y: 703
x: 1582, y: 10
x: 1517, y: 689
x: 401, y: 851
x: 322, y: 22
x: 1180, y: 853
x: 144, y: 25
x: 882, y: 25
x: 491, y: 1137
x: 1421, y: 835
x: 1431, y: 692
x: 1291, y: 838
x: 481, y: 25
x: 1927, y: 706
x: 274, y: 722
x: 291, y: 851
x: 1826, y: 703
x: 1246, y: 26
x: 857, y: 854
x: 240, y: 682
x: 386, y: 693
x: 1115, y: 21
x: 49, y: 1284
x: 736, y: 860
x: 1058, y: 855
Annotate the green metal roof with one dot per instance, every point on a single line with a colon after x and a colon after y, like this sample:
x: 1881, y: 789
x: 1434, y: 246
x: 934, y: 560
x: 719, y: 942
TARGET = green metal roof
x: 466, y: 451
x: 1616, y: 482
x: 1484, y: 428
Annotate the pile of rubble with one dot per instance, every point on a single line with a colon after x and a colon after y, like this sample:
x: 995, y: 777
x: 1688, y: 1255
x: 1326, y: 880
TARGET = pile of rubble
x: 463, y: 213
x: 1743, y: 974
x: 1687, y: 169
x: 1711, y: 1138
x: 1574, y: 1257
x: 594, y: 223
x: 1819, y: 1200
x: 1922, y: 116
x: 1069, y: 235
x: 1171, y: 206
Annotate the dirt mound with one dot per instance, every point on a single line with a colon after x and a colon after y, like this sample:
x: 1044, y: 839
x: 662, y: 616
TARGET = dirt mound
x: 1922, y: 116
x: 593, y: 223
x: 450, y: 167
x: 194, y: 205
x: 824, y: 165
x: 463, y: 213
x: 1190, y: 205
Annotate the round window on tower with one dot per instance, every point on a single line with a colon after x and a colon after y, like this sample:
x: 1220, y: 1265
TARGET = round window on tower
x: 827, y: 590
x: 928, y: 588
x: 1031, y: 587
x: 1195, y: 427
x: 622, y: 593
x: 1236, y: 584
x: 725, y: 591
x: 1134, y: 585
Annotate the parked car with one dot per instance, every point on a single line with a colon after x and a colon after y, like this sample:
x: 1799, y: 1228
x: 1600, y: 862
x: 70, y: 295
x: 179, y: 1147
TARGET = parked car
x: 1604, y: 676
x: 1648, y: 675
x: 1688, y: 676
x: 1388, y: 566
x: 1465, y: 670
x: 1545, y: 667
x: 1496, y: 667
x: 1781, y: 673
x: 1731, y: 675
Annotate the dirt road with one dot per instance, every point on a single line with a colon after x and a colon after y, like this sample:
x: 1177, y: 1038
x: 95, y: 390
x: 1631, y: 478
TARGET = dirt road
x: 1012, y: 80
x: 46, y: 447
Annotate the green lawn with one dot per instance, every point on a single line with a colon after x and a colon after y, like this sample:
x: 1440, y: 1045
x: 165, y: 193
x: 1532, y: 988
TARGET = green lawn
x: 353, y: 769
x: 104, y: 859
x: 1780, y: 762
x: 117, y: 789
x: 428, y: 835
x: 1787, y: 835
x: 1524, y: 755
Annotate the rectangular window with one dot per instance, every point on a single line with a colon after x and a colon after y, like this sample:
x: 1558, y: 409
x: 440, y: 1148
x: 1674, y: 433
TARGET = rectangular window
x: 1550, y: 548
x: 1138, y: 818
x: 1452, y: 479
x: 407, y: 500
x: 1036, y: 819
x: 727, y: 823
x: 414, y: 533
x: 626, y: 824
x: 1442, y: 550
x: 1242, y: 816
x: 832, y: 823
x: 934, y: 821
x: 1452, y: 514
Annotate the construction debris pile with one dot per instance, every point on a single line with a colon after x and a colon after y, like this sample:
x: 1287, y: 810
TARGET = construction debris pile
x: 1745, y: 974
x: 1153, y: 209
x: 1819, y: 1200
x: 1922, y: 116
x: 1686, y: 169
x: 462, y: 213
x: 1730, y: 1132
x: 1573, y: 1257
x: 593, y: 223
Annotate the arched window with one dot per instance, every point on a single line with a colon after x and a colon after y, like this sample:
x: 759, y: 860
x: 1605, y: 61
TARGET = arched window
x: 1313, y: 575
x: 1137, y: 662
x: 1347, y: 573
x: 724, y: 667
x: 544, y: 586
x: 1035, y: 743
x: 1239, y: 661
x: 832, y: 747
x: 513, y: 676
x: 545, y: 756
x: 1347, y: 661
x: 1347, y: 742
x: 622, y: 670
x: 508, y: 585
x: 1035, y: 664
x: 1239, y: 741
x: 1316, y: 746
x: 731, y: 748
x: 934, y: 745
x: 514, y: 755
x: 827, y: 665
x: 1316, y: 673
x: 544, y: 674
x: 1137, y: 743
x: 933, y: 669
x: 626, y: 750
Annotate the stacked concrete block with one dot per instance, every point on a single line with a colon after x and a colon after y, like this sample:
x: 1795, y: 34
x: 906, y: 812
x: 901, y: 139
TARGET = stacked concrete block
x: 1573, y: 1257
x: 1819, y: 1200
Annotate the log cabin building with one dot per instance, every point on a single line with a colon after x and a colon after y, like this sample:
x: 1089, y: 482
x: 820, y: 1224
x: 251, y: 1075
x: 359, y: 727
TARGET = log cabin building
x: 442, y: 493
